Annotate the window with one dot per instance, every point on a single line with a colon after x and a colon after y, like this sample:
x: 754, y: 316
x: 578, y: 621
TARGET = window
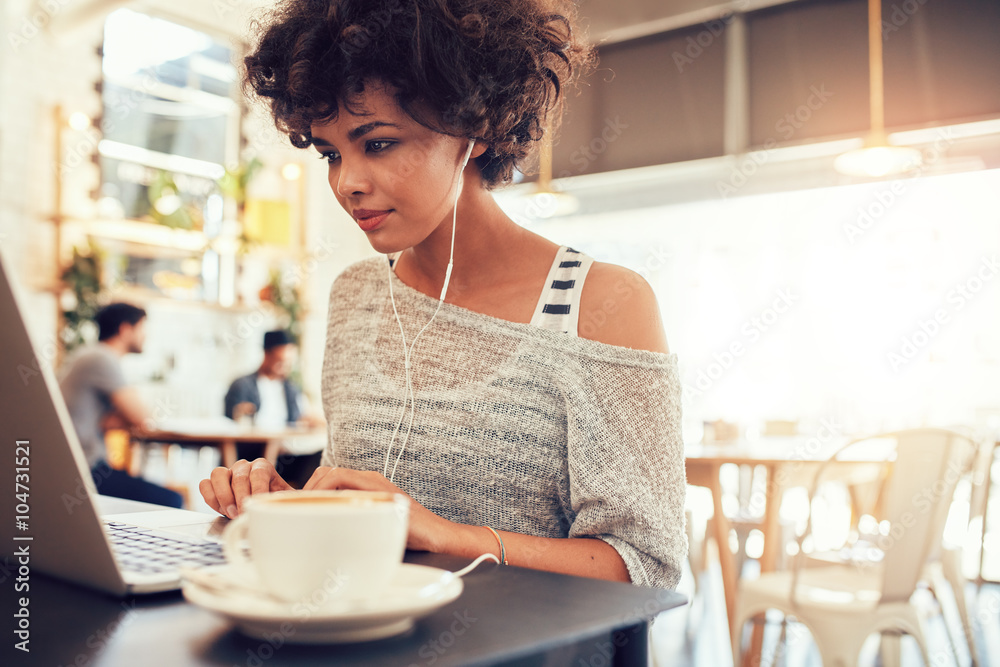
x: 170, y: 122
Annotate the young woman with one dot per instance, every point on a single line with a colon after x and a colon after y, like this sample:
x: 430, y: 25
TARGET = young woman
x: 519, y: 393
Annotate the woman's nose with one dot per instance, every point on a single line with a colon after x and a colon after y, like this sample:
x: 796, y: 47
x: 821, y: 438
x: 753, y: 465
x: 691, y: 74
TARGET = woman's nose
x: 352, y: 179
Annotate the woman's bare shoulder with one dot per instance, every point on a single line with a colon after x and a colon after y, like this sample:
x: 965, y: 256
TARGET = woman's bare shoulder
x: 618, y: 307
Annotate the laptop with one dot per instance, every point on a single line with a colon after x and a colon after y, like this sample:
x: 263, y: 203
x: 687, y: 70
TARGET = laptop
x: 55, y: 521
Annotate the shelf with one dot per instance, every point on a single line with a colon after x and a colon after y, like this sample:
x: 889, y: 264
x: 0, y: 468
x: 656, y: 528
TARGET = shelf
x: 161, y: 236
x: 146, y: 233
x: 145, y: 296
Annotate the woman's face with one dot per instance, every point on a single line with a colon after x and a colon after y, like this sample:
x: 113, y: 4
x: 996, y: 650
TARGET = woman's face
x: 395, y: 177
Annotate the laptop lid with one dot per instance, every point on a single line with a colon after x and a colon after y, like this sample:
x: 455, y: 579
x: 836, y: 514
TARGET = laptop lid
x: 54, y: 520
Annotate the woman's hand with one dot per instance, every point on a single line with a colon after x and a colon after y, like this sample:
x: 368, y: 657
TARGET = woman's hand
x: 227, y: 488
x: 427, y: 532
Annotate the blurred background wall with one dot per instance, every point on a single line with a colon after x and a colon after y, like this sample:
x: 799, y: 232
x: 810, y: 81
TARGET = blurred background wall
x: 700, y: 154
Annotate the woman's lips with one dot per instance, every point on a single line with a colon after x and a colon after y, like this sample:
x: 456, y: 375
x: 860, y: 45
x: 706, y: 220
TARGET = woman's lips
x: 369, y: 220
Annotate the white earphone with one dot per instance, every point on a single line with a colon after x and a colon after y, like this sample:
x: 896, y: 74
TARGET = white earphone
x: 408, y: 398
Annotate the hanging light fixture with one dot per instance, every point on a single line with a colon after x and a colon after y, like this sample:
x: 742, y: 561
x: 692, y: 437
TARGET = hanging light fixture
x: 877, y: 158
x: 546, y: 202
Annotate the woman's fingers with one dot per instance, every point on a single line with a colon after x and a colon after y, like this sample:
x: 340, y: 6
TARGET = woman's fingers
x: 227, y: 489
x: 221, y: 483
x: 316, y: 478
x: 240, y: 485
x: 345, y: 478
x: 278, y: 484
x: 208, y: 493
x: 261, y: 474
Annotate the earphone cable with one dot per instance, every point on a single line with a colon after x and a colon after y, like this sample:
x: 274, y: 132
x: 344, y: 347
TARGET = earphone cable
x: 409, y: 398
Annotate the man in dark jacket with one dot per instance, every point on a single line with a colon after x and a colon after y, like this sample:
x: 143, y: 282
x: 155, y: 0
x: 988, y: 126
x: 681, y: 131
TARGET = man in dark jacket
x: 273, y: 402
x: 267, y: 395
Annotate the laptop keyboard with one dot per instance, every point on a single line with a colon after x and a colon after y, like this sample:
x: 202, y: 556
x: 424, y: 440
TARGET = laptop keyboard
x: 147, y: 551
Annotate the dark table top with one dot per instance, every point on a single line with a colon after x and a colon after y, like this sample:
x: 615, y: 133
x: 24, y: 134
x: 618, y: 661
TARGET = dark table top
x: 504, y: 614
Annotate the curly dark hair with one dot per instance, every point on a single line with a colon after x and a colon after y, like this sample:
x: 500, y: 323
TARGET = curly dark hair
x: 494, y: 70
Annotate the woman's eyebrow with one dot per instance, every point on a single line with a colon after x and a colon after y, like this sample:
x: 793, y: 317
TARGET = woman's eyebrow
x: 362, y: 130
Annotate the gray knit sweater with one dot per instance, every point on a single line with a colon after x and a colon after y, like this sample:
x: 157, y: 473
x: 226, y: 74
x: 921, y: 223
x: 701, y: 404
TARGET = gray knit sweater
x: 517, y: 427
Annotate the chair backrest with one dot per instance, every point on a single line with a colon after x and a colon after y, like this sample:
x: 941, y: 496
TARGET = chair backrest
x: 929, y: 463
x: 981, y: 477
x: 915, y: 500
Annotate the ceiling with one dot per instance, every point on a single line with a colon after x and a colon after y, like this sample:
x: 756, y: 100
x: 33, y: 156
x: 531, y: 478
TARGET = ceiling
x: 627, y: 19
x: 604, y: 21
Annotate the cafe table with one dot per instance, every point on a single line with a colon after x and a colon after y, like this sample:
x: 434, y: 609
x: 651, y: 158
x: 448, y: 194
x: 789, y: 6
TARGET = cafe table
x: 788, y: 461
x: 506, y: 615
x: 225, y: 435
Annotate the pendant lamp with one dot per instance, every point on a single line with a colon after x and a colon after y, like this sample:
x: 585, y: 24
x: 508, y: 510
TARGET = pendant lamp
x: 877, y: 157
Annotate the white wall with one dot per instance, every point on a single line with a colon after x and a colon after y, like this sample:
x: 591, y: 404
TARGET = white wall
x: 858, y: 285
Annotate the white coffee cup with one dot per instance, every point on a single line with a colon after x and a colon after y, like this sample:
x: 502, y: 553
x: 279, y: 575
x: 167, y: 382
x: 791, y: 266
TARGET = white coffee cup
x: 320, y: 546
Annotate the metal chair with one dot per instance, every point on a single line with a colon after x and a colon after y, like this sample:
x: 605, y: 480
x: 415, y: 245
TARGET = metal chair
x: 842, y: 606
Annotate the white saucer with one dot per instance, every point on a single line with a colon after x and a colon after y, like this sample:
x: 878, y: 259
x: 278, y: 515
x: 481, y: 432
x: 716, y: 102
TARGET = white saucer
x: 414, y: 592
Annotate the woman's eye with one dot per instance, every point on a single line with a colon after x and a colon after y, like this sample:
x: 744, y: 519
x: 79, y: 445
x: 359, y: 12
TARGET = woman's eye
x: 378, y: 145
x: 374, y: 146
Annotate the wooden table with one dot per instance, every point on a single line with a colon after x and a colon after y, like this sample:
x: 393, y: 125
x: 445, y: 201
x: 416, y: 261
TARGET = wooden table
x: 226, y: 440
x: 788, y: 461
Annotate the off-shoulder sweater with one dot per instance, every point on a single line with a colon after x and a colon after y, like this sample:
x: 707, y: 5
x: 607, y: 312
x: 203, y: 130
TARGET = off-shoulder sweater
x: 516, y: 427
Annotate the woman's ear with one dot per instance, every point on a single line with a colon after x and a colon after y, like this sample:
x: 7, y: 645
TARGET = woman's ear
x: 478, y: 149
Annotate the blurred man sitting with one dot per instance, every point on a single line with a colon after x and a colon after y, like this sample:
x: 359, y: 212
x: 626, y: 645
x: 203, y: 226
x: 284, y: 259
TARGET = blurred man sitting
x: 267, y: 395
x: 98, y: 399
x: 269, y: 399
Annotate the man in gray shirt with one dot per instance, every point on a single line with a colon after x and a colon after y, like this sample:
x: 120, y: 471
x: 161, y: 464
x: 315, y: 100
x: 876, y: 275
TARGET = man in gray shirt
x: 97, y: 396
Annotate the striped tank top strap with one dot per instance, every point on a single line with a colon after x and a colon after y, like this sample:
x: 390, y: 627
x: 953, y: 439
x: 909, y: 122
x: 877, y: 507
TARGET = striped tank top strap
x: 558, y: 307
